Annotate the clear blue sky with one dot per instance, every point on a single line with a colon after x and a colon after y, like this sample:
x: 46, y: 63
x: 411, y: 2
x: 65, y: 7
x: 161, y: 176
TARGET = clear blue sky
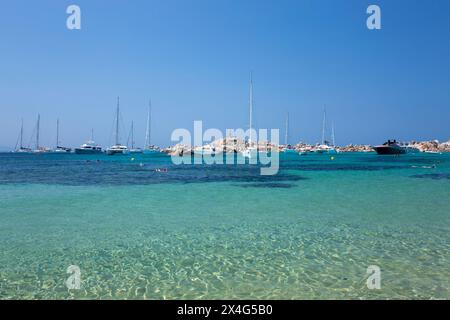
x: 193, y: 59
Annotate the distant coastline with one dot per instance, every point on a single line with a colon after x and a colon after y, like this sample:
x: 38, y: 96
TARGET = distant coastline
x: 424, y: 146
x: 431, y: 146
x: 237, y: 145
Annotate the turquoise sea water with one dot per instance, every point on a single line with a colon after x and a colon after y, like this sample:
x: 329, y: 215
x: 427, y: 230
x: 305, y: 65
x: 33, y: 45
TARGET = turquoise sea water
x: 209, y: 232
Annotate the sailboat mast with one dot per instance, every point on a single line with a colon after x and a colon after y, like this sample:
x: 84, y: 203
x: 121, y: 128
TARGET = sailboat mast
x: 132, y: 134
x: 287, y: 130
x: 92, y: 134
x: 332, y: 134
x: 117, y: 121
x: 57, y: 133
x: 251, y: 107
x: 323, y: 125
x: 21, y: 135
x: 37, y: 131
x: 147, y: 132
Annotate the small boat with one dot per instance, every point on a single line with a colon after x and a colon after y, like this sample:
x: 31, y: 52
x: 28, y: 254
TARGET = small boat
x: 133, y: 149
x: 304, y: 151
x: 39, y: 149
x: 62, y: 150
x: 252, y: 148
x: 250, y: 151
x: 205, y: 150
x: 333, y: 149
x: 58, y: 148
x: 149, y: 148
x: 89, y: 148
x: 390, y: 147
x: 117, y: 148
x: 42, y: 150
x: 325, y: 149
x: 21, y: 148
x: 287, y: 147
x: 325, y: 146
x: 410, y: 149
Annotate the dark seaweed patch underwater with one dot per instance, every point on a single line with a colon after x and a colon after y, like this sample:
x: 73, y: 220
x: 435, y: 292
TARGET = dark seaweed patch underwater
x: 434, y: 176
x: 76, y: 170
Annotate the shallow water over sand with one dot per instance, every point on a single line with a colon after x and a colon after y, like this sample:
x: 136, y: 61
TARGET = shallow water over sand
x: 207, y: 232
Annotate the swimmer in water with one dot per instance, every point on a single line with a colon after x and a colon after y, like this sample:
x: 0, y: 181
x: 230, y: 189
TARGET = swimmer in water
x: 425, y: 167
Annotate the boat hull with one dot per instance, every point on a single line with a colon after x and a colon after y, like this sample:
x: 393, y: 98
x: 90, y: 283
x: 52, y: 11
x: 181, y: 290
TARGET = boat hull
x: 332, y: 151
x: 207, y: 153
x: 23, y: 150
x: 62, y: 150
x: 116, y: 152
x: 87, y: 151
x: 151, y: 151
x: 389, y: 150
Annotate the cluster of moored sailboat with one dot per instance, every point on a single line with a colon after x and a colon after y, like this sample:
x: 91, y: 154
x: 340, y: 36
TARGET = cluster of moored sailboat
x: 247, y: 148
x: 90, y: 147
x: 250, y: 149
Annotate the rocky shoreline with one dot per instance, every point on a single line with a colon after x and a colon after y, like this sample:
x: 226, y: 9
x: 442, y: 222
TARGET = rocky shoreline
x: 432, y: 146
x: 424, y: 146
x: 235, y: 145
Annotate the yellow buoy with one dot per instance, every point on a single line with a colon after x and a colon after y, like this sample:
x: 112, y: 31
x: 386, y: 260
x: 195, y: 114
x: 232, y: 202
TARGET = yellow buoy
x: 132, y: 159
x: 332, y: 158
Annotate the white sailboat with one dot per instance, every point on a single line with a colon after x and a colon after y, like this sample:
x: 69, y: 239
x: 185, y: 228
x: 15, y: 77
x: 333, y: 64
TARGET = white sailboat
x: 250, y: 151
x: 205, y: 150
x: 21, y: 148
x: 149, y: 148
x: 333, y: 149
x: 133, y: 149
x: 38, y: 148
x: 324, y: 147
x: 58, y: 148
x: 287, y: 147
x: 117, y: 148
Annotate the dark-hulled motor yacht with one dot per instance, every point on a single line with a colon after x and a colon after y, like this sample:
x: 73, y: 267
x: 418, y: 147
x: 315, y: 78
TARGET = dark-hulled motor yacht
x: 390, y: 147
